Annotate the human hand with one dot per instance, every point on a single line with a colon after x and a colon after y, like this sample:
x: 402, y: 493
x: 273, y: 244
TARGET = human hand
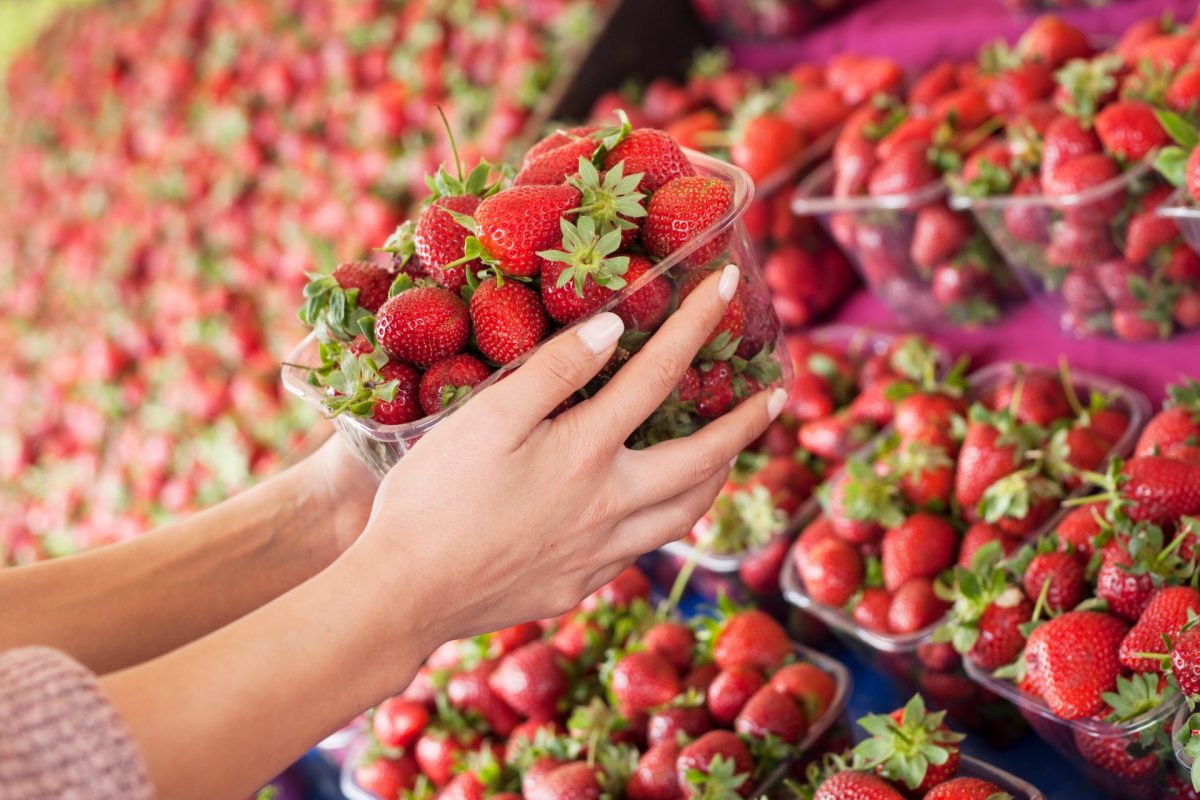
x: 341, y: 491
x: 501, y: 515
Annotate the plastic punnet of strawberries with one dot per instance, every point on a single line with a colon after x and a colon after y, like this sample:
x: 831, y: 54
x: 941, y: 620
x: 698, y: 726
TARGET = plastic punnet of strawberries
x: 595, y: 218
x: 961, y: 468
x: 1068, y: 195
x: 612, y: 699
x: 1095, y: 621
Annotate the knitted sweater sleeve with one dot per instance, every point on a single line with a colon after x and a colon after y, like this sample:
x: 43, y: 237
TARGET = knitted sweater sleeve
x: 60, y: 736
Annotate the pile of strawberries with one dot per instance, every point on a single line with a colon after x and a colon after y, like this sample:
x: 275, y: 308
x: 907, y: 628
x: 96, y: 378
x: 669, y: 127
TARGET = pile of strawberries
x: 768, y: 19
x: 909, y: 753
x: 613, y: 699
x: 172, y: 170
x: 1096, y: 620
x: 488, y: 270
x: 1106, y: 261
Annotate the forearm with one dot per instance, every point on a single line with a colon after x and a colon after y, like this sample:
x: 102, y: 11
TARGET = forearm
x: 257, y: 694
x: 123, y: 604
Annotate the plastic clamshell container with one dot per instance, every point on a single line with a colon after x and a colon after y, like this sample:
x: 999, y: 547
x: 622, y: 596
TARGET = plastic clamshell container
x: 1183, y: 210
x: 717, y: 573
x: 1181, y: 758
x: 1065, y: 735
x: 877, y: 234
x: 896, y: 654
x: 971, y: 767
x: 1090, y: 229
x: 381, y: 446
x: 829, y: 724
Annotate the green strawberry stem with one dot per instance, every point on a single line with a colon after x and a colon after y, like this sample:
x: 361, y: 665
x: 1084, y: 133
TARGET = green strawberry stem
x: 668, y: 606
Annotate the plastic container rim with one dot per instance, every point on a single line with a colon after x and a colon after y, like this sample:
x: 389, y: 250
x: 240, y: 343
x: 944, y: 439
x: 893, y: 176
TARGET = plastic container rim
x: 812, y: 198
x: 960, y: 202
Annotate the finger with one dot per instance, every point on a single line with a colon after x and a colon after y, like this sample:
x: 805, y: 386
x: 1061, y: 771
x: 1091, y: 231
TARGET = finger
x: 641, y: 385
x: 672, y: 467
x: 668, y: 521
x: 559, y: 368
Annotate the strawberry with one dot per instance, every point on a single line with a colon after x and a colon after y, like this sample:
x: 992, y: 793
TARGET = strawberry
x: 436, y: 753
x: 920, y: 547
x: 816, y: 111
x: 1185, y: 661
x: 987, y: 455
x: 463, y: 786
x: 764, y: 144
x: 654, y: 154
x: 642, y: 680
x: 860, y: 504
x: 1052, y: 41
x: 910, y: 129
x: 585, y: 273
x: 680, y: 211
x: 654, y: 778
x: 932, y: 83
x: 1073, y: 659
x: 834, y: 437
x: 910, y: 747
x: 751, y: 638
x: 1192, y: 174
x: 872, y: 609
x: 469, y: 691
x: 938, y: 233
x: 964, y: 109
x: 808, y: 686
x: 813, y: 534
x: 1127, y: 589
x: 1129, y: 130
x: 832, y: 572
x: 449, y: 380
x: 512, y: 226
x: 557, y: 165
x: 508, y: 319
x: 1028, y: 222
x: 667, y: 724
x: 907, y: 170
x: 716, y: 395
x: 915, y: 606
x: 771, y: 713
x: 1161, y: 489
x: 555, y: 140
x: 439, y: 240
x: 1066, y: 139
x: 1019, y: 87
x: 856, y: 786
x: 980, y: 534
x: 965, y: 789
x: 405, y: 405
x: 531, y: 680
x: 371, y: 280
x: 1060, y: 575
x: 985, y: 621
x: 1179, y: 421
x: 398, y: 722
x: 1111, y: 754
x: 858, y: 78
x: 612, y: 200
x: 575, y: 780
x: 630, y: 585
x: 732, y: 322
x: 1164, y: 616
x: 1035, y: 396
x: 387, y: 777
x: 422, y: 325
x: 1147, y: 231
x: 716, y: 753
x: 1000, y: 638
x: 928, y: 418
x: 672, y: 641
x: 646, y: 308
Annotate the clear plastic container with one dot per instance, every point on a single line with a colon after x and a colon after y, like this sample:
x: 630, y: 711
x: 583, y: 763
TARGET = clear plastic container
x: 1068, y: 254
x: 381, y: 446
x: 968, y: 767
x: 1084, y: 742
x: 1183, y: 210
x: 877, y: 233
x: 897, y: 654
x: 818, y: 739
x: 1182, y: 759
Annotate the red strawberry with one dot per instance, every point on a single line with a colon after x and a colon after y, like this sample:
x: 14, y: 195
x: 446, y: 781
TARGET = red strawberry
x: 439, y: 240
x: 1111, y: 754
x: 469, y: 691
x: 1161, y: 489
x: 915, y: 606
x: 832, y: 572
x: 1039, y: 397
x: 1000, y: 639
x: 872, y: 610
x: 966, y: 109
x: 716, y: 394
x: 584, y: 274
x: 1147, y: 231
x: 938, y: 233
x: 371, y: 280
x: 1063, y: 572
x: 630, y: 585
x: 508, y: 319
x: 928, y: 418
x: 771, y: 713
x: 1185, y: 661
x: 531, y: 680
x: 671, y: 640
x: 681, y: 211
x: 422, y: 325
x: 983, y: 460
x: 751, y: 638
x: 387, y: 777
x: 932, y: 83
x: 405, y: 405
x: 920, y: 547
x: 1130, y: 130
x: 646, y: 308
x: 448, y: 380
x: 652, y: 153
x: 764, y: 144
x: 1183, y: 95
x: 964, y: 789
x: 1065, y: 140
x: 910, y: 129
x: 654, y: 778
x: 642, y: 680
x: 856, y: 786
x: 556, y: 165
x: 463, y: 786
x: 572, y: 781
x: 816, y: 532
x: 1019, y: 87
x: 1081, y: 174
x: 912, y: 748
x: 859, y: 77
x: 860, y: 503
x: 1127, y: 591
x: 398, y: 722
x: 809, y: 686
x: 700, y: 755
x: 1052, y: 41
x: 1165, y: 615
x: 436, y: 753
x: 1029, y: 222
x: 557, y: 139
x: 1177, y: 423
x: 907, y: 170
x: 1073, y: 659
x: 815, y: 111
x: 978, y: 535
x: 835, y: 437
x: 666, y: 725
x: 1192, y: 174
x: 515, y: 224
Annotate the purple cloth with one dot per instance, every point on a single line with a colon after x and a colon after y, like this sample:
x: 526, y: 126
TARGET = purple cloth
x: 1027, y: 335
x: 917, y: 33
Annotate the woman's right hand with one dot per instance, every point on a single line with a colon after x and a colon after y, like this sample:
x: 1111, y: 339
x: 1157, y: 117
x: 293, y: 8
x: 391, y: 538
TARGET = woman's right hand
x: 501, y: 515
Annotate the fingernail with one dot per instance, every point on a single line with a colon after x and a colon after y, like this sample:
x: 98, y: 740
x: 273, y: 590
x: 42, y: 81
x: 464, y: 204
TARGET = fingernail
x: 728, y: 283
x: 775, y: 403
x: 601, y: 332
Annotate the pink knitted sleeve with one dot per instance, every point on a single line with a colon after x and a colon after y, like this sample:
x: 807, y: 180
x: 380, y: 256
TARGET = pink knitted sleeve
x: 60, y: 736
